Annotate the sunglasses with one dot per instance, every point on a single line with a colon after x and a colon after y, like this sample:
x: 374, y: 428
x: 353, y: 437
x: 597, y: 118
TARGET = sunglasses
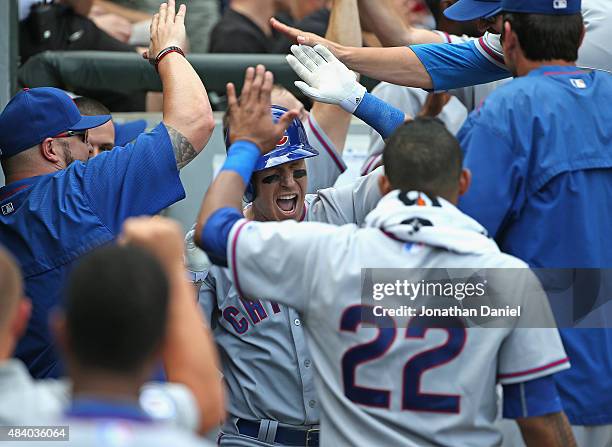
x: 72, y: 133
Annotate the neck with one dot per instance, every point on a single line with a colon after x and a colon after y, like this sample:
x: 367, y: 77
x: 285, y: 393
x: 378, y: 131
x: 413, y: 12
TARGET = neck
x: 6, y: 349
x: 259, y: 12
x: 14, y: 176
x: 106, y: 385
x: 525, y: 65
x: 252, y: 213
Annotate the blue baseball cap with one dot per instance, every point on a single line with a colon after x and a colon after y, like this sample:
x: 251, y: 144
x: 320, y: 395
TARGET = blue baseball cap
x: 127, y: 132
x: 38, y: 113
x: 547, y: 7
x: 465, y: 10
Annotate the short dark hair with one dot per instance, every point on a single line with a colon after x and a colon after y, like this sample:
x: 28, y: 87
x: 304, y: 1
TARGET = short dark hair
x: 90, y: 107
x: 116, y: 309
x: 547, y: 37
x: 422, y: 155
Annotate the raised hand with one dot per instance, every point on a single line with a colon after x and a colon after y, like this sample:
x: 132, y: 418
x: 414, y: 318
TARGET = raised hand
x: 250, y: 117
x: 325, y: 78
x: 167, y: 29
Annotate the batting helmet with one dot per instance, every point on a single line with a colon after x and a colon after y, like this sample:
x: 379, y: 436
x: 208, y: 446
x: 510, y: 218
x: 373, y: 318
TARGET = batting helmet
x: 292, y: 146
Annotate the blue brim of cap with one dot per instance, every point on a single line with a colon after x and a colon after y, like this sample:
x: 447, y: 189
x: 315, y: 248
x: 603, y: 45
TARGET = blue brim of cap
x: 285, y: 155
x: 465, y: 10
x: 127, y: 132
x: 89, y: 122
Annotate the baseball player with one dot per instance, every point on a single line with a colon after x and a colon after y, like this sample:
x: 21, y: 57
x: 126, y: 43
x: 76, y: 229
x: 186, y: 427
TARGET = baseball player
x: 272, y: 398
x: 376, y: 387
x: 587, y: 403
x: 193, y: 398
x: 447, y: 66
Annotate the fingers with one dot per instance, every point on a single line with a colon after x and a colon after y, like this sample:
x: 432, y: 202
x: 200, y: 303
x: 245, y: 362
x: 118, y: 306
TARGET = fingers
x: 180, y: 15
x: 302, y: 56
x: 260, y: 72
x: 266, y: 89
x: 232, y: 100
x: 170, y: 12
x: 290, y: 32
x: 325, y: 53
x: 163, y: 12
x: 304, y: 73
x: 154, y: 24
x: 313, y: 55
x: 309, y: 91
x: 246, y: 87
x: 285, y: 121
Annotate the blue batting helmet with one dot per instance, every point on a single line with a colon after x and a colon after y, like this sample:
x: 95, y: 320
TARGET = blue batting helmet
x: 292, y: 146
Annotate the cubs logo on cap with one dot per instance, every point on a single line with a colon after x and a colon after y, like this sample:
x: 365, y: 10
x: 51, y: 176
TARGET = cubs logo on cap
x: 283, y: 141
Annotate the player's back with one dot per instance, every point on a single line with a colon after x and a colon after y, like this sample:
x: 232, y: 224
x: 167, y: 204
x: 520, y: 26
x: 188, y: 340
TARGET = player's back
x: 402, y: 381
x: 397, y: 381
x: 395, y: 385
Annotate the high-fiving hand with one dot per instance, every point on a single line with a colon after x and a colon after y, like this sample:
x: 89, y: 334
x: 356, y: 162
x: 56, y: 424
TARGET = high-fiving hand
x: 325, y: 78
x: 167, y: 29
x: 250, y: 117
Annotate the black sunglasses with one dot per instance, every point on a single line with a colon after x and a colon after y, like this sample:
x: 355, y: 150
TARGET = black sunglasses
x: 73, y: 133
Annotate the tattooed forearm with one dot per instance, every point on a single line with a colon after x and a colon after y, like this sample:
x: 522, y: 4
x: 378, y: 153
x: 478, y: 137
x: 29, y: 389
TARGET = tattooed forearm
x: 562, y: 430
x: 552, y: 430
x: 183, y: 149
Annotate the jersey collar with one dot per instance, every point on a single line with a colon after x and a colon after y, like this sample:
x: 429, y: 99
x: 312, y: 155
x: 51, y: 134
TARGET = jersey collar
x: 554, y: 70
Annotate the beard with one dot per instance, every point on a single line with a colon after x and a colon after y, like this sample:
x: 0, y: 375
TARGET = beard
x: 68, y: 158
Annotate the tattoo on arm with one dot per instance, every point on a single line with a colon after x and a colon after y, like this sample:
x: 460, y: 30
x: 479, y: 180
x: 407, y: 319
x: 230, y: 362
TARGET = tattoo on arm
x: 183, y: 149
x: 563, y: 432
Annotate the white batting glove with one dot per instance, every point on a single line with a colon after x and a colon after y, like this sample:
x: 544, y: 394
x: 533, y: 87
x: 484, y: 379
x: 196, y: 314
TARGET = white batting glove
x: 196, y: 260
x: 325, y: 78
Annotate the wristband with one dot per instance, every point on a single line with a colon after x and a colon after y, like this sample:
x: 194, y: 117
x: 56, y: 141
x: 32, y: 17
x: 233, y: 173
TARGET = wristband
x: 382, y: 117
x: 242, y: 157
x: 163, y: 53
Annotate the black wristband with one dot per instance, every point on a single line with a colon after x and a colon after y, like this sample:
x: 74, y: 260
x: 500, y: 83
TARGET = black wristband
x: 163, y: 53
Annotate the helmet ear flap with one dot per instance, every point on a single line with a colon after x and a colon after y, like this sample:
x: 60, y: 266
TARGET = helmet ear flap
x: 249, y: 193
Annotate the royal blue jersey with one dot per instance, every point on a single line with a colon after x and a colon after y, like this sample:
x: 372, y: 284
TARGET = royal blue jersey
x: 540, y: 151
x: 48, y: 222
x: 473, y: 62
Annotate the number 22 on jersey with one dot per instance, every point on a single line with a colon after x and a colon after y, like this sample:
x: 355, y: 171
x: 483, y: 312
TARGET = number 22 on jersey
x: 413, y: 399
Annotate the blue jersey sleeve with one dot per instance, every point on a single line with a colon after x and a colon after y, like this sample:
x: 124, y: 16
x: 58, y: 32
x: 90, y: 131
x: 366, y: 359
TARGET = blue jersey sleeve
x: 533, y: 398
x: 138, y: 179
x: 216, y: 232
x: 497, y: 175
x: 460, y: 65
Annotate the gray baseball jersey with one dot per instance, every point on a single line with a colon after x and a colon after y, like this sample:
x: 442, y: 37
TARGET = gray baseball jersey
x: 324, y: 170
x: 265, y: 359
x: 410, y: 101
x: 373, y: 391
x: 28, y: 401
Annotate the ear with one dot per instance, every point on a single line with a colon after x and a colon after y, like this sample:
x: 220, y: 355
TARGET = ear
x: 510, y: 41
x: 384, y: 185
x: 49, y: 151
x: 57, y: 324
x: 22, y: 316
x: 465, y: 180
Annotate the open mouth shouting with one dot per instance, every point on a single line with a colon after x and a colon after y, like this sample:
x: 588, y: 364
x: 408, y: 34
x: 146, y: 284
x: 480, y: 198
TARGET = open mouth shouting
x: 287, y: 203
